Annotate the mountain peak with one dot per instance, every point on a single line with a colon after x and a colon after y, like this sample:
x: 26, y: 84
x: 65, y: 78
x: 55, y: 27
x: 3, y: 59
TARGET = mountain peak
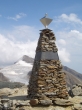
x: 27, y: 59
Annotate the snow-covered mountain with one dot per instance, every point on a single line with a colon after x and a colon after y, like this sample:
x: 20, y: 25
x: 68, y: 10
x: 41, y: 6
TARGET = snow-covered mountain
x: 19, y: 72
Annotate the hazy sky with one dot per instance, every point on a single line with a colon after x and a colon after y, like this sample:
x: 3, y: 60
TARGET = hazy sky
x: 20, y: 25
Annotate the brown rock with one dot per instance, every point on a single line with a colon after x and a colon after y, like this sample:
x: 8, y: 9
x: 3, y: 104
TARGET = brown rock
x: 51, y: 67
x: 34, y: 101
x: 41, y: 82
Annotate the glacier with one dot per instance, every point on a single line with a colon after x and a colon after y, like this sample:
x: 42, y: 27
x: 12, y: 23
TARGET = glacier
x: 18, y: 72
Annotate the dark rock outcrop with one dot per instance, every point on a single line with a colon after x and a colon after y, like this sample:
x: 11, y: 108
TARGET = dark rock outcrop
x: 27, y: 59
x: 3, y: 78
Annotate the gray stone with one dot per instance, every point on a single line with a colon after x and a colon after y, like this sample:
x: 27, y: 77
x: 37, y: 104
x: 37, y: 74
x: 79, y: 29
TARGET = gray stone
x: 1, y: 107
x: 4, y: 100
x: 12, y: 108
x: 0, y: 103
x: 79, y: 85
x: 52, y: 41
x: 10, y: 103
x: 23, y: 103
x: 46, y: 102
x: 51, y: 93
x: 59, y: 108
x: 73, y: 86
x: 77, y: 107
x: 6, y: 105
x: 47, y: 46
x: 14, y: 102
x: 77, y: 91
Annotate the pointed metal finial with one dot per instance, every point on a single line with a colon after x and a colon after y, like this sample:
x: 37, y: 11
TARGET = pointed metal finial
x: 45, y: 21
x: 46, y: 15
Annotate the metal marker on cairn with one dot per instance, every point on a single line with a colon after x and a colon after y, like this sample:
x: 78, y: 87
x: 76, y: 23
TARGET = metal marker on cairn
x: 47, y: 80
x: 46, y: 21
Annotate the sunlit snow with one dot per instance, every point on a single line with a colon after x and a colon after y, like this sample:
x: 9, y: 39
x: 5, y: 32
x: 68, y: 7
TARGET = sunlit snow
x: 18, y: 72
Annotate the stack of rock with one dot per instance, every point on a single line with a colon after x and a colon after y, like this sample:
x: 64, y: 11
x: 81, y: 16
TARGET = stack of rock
x: 47, y: 80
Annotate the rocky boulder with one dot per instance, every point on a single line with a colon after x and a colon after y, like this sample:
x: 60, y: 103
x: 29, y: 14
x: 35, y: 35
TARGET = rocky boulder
x: 76, y: 90
x: 63, y: 102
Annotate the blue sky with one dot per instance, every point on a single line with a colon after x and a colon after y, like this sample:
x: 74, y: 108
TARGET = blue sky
x: 20, y: 25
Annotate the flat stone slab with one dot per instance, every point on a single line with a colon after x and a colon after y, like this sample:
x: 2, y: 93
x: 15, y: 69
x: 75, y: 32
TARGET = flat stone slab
x: 63, y: 102
x: 77, y: 107
x: 51, y: 94
x: 4, y: 100
x: 46, y: 55
x: 46, y: 102
x: 23, y: 103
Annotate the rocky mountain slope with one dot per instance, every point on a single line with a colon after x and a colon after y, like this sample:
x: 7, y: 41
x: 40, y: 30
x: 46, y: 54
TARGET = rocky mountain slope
x: 27, y: 59
x: 3, y: 78
x: 72, y: 77
x: 73, y: 72
x: 20, y: 72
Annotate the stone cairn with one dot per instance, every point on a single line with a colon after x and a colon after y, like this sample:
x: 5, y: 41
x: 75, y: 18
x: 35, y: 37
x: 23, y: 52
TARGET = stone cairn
x: 47, y: 79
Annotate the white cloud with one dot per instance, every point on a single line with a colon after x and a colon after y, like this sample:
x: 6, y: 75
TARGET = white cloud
x: 12, y: 47
x: 19, y: 42
x: 11, y: 51
x: 64, y: 55
x: 77, y: 34
x: 62, y: 42
x: 72, y: 51
x: 0, y: 15
x: 18, y: 16
x: 71, y: 18
x: 70, y: 35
